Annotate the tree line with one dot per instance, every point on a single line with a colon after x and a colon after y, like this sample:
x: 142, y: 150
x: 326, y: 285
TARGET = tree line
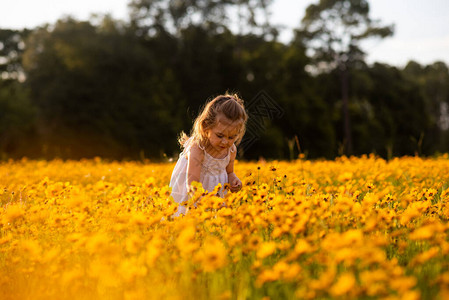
x: 125, y: 90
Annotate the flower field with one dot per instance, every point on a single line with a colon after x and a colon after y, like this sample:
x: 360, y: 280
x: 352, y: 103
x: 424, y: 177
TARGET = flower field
x: 352, y: 228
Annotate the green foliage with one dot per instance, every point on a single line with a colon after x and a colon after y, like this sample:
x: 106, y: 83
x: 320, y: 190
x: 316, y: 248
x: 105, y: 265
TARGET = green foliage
x: 11, y: 49
x: 333, y: 31
x: 398, y: 102
x: 17, y: 117
x: 153, y: 17
x: 433, y: 82
x: 100, y: 84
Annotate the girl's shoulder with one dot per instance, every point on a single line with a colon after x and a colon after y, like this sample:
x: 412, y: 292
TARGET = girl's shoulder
x: 233, y: 148
x: 196, y: 150
x: 233, y: 152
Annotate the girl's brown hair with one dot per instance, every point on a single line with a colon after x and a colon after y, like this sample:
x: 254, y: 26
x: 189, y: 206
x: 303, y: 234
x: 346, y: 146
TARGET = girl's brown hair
x: 229, y: 105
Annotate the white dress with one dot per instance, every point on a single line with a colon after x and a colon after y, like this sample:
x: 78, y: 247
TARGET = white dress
x: 213, y: 172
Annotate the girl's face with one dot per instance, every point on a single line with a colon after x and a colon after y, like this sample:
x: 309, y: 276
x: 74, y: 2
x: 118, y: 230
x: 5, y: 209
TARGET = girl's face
x: 223, y: 134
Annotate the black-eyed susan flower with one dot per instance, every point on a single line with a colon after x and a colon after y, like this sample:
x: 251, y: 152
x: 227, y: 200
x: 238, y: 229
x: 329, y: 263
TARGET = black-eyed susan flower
x: 265, y: 249
x: 213, y: 255
x: 344, y: 285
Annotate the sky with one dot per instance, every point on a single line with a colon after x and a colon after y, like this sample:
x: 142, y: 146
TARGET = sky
x: 421, y: 26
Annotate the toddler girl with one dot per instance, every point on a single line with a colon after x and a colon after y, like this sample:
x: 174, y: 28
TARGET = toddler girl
x: 208, y: 154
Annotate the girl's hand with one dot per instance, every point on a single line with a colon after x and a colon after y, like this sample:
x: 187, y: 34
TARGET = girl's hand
x: 234, y: 182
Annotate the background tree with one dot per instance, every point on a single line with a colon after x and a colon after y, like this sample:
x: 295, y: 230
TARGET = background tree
x: 12, y: 45
x: 17, y: 113
x: 99, y: 90
x: 433, y: 81
x: 17, y: 116
x: 150, y: 17
x: 333, y: 30
x: 396, y: 101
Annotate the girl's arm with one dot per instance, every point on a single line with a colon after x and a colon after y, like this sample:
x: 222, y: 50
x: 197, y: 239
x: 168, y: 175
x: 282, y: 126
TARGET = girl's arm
x: 234, y: 181
x: 195, y: 160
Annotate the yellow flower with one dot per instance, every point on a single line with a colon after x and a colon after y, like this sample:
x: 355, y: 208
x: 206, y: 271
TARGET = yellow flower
x: 149, y: 182
x: 301, y: 224
x: 105, y: 273
x: 344, y: 285
x: 425, y: 256
x: 444, y: 293
x: 430, y: 193
x: 186, y: 240
x: 444, y: 194
x: 102, y: 185
x: 402, y: 284
x: 325, y: 280
x: 257, y: 264
x: 372, y: 255
x: 139, y: 219
x: 13, y: 213
x: 225, y: 295
x: 153, y: 251
x: 137, y: 294
x: 301, y: 247
x: 293, y: 272
x: 288, y: 272
x: 266, y: 249
x: 267, y: 276
x: 5, y: 239
x: 346, y: 176
x: 131, y: 268
x: 213, y: 255
x: 426, y: 232
x: 32, y: 249
x: 346, y: 255
x: 412, y: 295
x: 370, y: 199
x: 370, y: 277
x: 98, y: 242
x: 369, y: 185
x: 234, y: 239
x: 254, y: 242
x: 78, y: 235
x: 133, y: 244
x: 70, y: 277
x: 410, y: 213
x: 352, y: 237
x: 54, y: 189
